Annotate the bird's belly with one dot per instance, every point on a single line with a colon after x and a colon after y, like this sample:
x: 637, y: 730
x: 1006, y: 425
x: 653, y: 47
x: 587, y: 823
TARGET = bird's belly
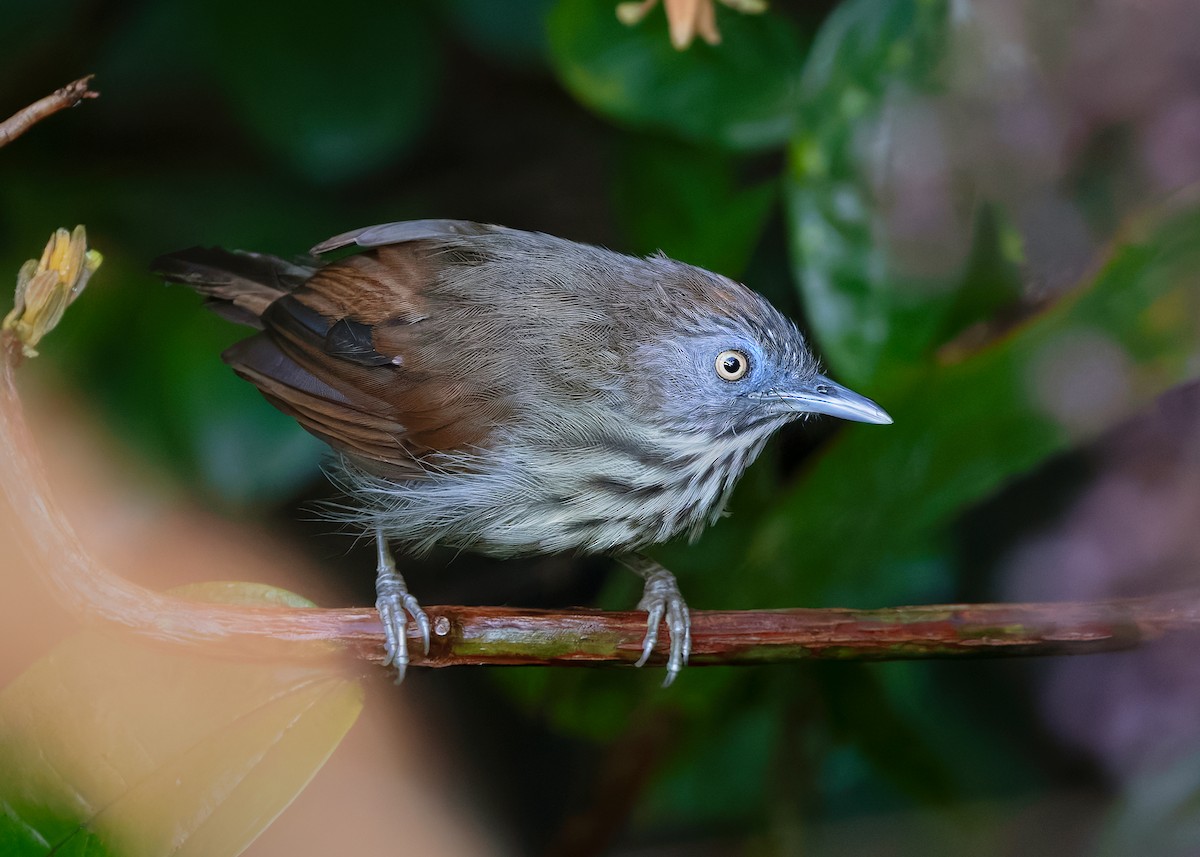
x: 619, y: 517
x: 558, y: 502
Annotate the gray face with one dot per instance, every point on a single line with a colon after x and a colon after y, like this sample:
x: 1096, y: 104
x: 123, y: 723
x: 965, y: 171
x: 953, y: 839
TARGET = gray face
x: 715, y: 383
x: 747, y: 375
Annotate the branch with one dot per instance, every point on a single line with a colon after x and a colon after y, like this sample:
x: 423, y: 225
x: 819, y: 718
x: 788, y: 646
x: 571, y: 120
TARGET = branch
x: 479, y: 635
x: 21, y: 121
x: 497, y: 635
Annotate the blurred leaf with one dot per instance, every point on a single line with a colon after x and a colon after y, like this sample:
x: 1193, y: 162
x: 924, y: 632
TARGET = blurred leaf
x: 164, y: 36
x: 150, y: 354
x: 1159, y: 813
x: 717, y: 781
x: 337, y: 99
x: 168, y: 394
x: 1080, y: 367
x: 32, y: 27
x: 513, y: 32
x: 594, y: 703
x: 863, y: 710
x: 222, y: 434
x: 913, y: 723
x: 741, y: 94
x: 991, y: 281
x: 868, y: 313
x: 108, y: 747
x: 687, y: 202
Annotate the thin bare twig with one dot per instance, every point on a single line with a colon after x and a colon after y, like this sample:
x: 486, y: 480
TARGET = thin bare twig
x: 21, y: 121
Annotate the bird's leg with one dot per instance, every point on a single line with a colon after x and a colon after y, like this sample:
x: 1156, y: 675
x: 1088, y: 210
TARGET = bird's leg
x: 393, y: 601
x: 662, y: 600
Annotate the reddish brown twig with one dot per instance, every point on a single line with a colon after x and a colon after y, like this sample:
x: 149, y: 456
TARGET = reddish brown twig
x: 21, y: 121
x: 500, y: 635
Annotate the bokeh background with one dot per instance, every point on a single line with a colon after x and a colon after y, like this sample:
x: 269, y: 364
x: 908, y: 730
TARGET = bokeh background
x: 982, y: 212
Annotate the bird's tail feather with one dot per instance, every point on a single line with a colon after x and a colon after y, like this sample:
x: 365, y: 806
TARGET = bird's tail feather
x: 239, y: 286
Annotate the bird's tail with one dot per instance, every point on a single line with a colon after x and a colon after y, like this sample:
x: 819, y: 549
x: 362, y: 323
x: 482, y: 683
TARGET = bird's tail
x: 239, y: 286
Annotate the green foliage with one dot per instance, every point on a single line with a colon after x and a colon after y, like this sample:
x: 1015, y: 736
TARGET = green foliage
x: 513, y: 32
x: 971, y: 425
x: 867, y: 317
x: 156, y: 366
x: 863, y: 712
x: 783, y: 157
x: 965, y: 429
x: 740, y: 761
x: 865, y: 522
x: 337, y: 107
x: 742, y: 95
x: 689, y: 203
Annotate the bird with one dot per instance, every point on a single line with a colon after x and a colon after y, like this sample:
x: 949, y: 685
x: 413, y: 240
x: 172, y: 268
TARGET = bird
x: 514, y: 393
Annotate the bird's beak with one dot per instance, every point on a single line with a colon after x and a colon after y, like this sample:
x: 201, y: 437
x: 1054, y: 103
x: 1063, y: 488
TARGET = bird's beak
x: 825, y: 396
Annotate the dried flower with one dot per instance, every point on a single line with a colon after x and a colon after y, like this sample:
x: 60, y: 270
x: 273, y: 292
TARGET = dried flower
x: 688, y: 18
x: 46, y: 287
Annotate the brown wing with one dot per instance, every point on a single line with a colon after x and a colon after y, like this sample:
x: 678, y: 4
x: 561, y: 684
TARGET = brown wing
x: 349, y: 349
x: 346, y: 354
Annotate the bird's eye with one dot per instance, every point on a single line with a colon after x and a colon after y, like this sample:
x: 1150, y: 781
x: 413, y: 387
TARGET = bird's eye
x: 732, y: 365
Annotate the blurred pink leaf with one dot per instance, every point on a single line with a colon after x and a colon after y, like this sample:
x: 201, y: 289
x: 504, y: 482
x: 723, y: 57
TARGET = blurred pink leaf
x: 107, y: 746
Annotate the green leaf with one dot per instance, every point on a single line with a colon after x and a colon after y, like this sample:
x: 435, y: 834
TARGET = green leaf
x: 220, y: 431
x: 163, y: 36
x: 719, y: 781
x: 863, y: 709
x: 991, y: 282
x: 336, y: 99
x: 1081, y: 366
x: 513, y: 32
x: 874, y: 304
x: 690, y: 204
x: 110, y: 747
x: 741, y: 94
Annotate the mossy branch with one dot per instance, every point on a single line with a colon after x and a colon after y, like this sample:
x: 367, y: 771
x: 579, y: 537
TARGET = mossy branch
x: 491, y: 635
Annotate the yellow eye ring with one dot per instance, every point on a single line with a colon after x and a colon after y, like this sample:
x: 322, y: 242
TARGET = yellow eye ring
x: 732, y: 365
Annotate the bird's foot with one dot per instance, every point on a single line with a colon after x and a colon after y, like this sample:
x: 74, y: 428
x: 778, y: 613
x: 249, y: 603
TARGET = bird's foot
x: 395, y: 604
x: 662, y: 600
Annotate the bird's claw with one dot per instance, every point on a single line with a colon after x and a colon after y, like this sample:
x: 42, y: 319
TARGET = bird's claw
x: 662, y: 600
x: 395, y: 604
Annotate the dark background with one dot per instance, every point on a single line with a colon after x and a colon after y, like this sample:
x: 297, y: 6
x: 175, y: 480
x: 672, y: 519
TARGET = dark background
x: 982, y: 213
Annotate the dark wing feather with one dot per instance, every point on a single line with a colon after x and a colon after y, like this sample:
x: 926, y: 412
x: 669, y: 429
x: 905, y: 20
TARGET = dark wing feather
x: 343, y: 346
x: 320, y: 408
x: 380, y: 328
x: 240, y: 286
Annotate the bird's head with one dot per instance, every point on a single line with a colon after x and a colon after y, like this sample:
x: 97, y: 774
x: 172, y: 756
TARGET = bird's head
x: 729, y: 364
